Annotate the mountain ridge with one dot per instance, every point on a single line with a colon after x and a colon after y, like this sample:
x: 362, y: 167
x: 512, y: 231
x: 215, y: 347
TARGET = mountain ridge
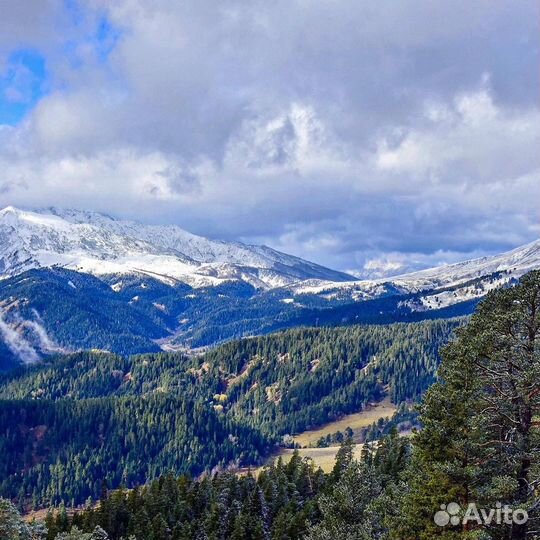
x: 99, y: 244
x: 74, y: 280
x: 513, y: 263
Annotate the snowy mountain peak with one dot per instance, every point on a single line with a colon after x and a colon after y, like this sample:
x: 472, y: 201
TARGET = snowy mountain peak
x: 131, y: 318
x: 437, y: 287
x: 519, y: 260
x: 99, y: 244
x: 78, y: 216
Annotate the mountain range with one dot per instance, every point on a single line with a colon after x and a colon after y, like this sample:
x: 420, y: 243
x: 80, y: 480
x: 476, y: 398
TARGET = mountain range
x: 73, y: 280
x: 97, y: 244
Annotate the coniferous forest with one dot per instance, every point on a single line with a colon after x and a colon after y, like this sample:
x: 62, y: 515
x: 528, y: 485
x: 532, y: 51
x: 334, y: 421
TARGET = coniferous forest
x: 89, y: 418
x: 149, y: 440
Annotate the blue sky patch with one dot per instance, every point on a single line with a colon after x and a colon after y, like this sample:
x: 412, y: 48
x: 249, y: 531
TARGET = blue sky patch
x: 22, y: 84
x: 99, y: 33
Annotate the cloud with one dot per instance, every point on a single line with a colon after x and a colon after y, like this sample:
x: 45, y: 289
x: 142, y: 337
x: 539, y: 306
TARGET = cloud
x: 469, y: 140
x: 21, y: 348
x: 344, y: 132
x: 46, y: 344
x: 28, y: 23
x: 27, y: 339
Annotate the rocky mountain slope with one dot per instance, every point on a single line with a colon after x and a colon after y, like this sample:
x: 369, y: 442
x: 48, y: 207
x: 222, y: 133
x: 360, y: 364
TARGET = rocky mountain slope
x: 97, y: 244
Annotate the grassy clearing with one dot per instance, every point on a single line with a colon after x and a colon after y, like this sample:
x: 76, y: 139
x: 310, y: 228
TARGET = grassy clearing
x: 355, y: 421
x: 323, y: 457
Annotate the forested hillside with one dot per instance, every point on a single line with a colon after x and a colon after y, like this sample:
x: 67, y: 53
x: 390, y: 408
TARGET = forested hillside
x: 89, y: 417
x: 74, y: 280
x: 50, y: 310
x: 470, y: 473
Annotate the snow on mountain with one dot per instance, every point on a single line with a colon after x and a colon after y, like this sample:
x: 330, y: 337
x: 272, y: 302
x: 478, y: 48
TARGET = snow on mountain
x: 516, y: 263
x: 98, y: 244
x: 81, y: 245
x: 442, y: 286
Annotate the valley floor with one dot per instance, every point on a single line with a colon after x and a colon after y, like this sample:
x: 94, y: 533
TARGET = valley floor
x: 356, y: 421
x: 325, y: 457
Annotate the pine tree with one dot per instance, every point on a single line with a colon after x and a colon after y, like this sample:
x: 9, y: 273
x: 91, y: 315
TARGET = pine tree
x: 76, y: 534
x: 12, y: 526
x: 480, y: 441
x: 160, y: 530
x: 37, y: 530
x: 391, y: 456
x: 239, y: 529
x: 344, y: 458
x: 346, y: 508
x: 448, y: 459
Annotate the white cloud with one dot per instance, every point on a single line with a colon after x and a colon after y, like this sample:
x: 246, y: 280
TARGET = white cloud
x: 470, y: 141
x: 339, y: 131
x: 16, y: 343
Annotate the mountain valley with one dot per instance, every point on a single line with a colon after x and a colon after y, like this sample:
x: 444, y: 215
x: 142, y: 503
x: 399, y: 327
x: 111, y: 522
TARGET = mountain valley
x: 74, y: 280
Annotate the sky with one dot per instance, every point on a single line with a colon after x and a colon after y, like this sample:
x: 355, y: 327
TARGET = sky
x: 371, y: 136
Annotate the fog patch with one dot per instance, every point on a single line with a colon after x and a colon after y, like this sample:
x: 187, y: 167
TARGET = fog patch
x: 27, y: 348
x: 21, y: 348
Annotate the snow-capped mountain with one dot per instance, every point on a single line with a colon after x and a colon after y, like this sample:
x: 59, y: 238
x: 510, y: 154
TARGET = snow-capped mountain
x: 73, y: 280
x: 97, y: 244
x: 436, y: 287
